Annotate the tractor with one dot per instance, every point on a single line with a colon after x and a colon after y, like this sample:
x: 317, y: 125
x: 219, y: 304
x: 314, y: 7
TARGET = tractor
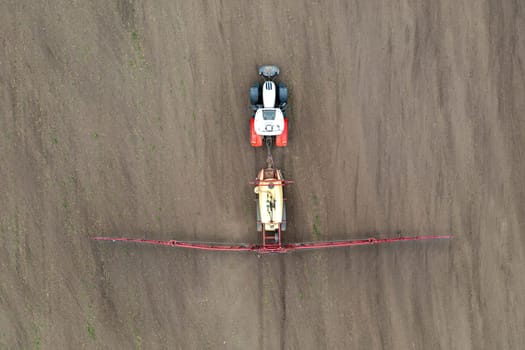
x: 268, y: 102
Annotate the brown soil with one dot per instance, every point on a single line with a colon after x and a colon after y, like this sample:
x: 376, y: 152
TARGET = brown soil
x: 130, y: 118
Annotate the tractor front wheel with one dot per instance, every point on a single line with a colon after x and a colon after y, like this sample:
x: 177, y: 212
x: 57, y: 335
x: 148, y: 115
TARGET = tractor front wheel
x: 254, y: 94
x: 283, y: 93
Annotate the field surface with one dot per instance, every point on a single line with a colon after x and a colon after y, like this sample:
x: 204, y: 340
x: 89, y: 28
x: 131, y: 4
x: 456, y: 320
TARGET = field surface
x: 130, y: 118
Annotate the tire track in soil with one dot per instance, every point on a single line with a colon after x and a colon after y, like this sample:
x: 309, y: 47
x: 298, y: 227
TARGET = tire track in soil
x: 282, y: 289
x: 260, y: 280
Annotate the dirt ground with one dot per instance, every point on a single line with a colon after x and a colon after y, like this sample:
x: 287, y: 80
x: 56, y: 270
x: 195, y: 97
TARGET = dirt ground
x: 130, y: 118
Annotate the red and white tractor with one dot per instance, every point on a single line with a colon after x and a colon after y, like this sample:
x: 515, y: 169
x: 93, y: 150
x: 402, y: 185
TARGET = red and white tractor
x: 268, y: 102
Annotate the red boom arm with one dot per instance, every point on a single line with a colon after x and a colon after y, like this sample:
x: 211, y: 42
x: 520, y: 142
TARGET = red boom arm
x: 262, y: 249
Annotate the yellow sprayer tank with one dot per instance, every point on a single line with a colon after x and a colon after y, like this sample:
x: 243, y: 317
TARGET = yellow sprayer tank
x: 269, y: 190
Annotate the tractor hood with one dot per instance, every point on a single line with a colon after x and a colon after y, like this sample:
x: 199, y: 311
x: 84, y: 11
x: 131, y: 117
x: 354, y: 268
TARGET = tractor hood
x: 269, y: 92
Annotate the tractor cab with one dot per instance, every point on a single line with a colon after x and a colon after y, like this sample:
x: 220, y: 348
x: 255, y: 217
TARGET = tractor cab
x: 269, y: 122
